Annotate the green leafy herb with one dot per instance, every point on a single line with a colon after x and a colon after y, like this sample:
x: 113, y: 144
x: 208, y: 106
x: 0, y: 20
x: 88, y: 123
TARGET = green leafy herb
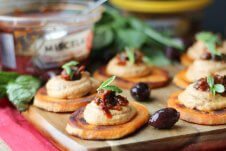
x: 155, y: 57
x: 106, y: 85
x: 20, y: 89
x: 131, y: 55
x: 215, y: 88
x: 210, y: 40
x: 114, y: 32
x: 67, y: 67
x: 5, y: 78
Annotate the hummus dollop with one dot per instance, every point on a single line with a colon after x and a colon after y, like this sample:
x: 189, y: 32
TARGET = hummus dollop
x: 60, y: 88
x: 201, y: 100
x: 94, y: 115
x: 127, y: 69
x: 109, y: 109
x: 202, y: 68
x: 198, y: 48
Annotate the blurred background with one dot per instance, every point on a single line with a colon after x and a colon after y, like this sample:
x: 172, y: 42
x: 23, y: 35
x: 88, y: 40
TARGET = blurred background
x: 161, y: 29
x: 214, y: 17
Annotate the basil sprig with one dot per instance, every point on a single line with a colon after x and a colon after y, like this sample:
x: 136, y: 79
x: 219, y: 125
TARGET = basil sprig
x: 210, y: 40
x: 106, y: 85
x: 215, y: 88
x: 20, y: 89
x: 67, y: 67
x: 130, y: 54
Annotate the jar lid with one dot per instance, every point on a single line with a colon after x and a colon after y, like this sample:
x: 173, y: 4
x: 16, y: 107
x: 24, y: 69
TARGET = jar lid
x: 48, y: 13
x: 172, y: 6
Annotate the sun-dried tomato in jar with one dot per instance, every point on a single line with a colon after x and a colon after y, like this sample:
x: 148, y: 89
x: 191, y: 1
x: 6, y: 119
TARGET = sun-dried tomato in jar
x: 37, y: 37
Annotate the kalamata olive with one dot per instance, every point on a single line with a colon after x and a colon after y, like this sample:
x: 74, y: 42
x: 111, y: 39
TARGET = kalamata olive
x: 172, y: 54
x: 164, y: 118
x: 140, y: 91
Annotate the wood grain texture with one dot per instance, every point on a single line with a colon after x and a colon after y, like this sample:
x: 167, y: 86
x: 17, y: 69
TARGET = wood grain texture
x: 181, y: 136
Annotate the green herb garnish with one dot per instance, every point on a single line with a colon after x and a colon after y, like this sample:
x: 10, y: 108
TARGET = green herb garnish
x: 106, y: 85
x: 214, y: 88
x: 20, y: 89
x: 130, y: 54
x: 67, y: 67
x: 114, y: 32
x: 210, y: 40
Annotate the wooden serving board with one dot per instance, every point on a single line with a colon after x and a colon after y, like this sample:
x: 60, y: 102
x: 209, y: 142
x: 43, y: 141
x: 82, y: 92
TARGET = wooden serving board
x: 52, y: 125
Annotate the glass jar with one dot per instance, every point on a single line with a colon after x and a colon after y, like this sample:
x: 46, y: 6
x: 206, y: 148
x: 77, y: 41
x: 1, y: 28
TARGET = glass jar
x: 38, y: 36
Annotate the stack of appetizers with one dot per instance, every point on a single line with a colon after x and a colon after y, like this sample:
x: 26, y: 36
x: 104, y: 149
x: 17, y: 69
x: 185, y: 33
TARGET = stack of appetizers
x: 203, y: 100
x: 67, y: 92
x: 100, y: 111
x: 130, y: 68
x: 210, y: 59
x: 199, y: 48
x: 108, y: 116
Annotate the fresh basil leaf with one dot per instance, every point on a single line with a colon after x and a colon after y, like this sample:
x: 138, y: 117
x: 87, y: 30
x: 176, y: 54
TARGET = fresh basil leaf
x: 130, y: 38
x: 210, y: 81
x: 131, y: 55
x: 219, y: 88
x: 203, y: 36
x: 210, y: 40
x: 22, y: 90
x: 107, y: 82
x: 6, y: 77
x: 113, y: 88
x: 103, y: 37
x: 136, y: 24
x: 212, y: 48
x: 163, y: 39
x: 155, y: 57
x: 70, y: 64
x: 213, y: 91
x: 153, y: 34
x: 67, y: 67
x: 2, y: 91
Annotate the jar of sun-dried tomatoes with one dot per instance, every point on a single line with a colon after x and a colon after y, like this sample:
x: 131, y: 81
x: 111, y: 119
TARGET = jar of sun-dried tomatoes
x: 38, y: 36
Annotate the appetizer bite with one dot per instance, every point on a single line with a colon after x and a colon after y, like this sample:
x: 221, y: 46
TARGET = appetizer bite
x: 201, y: 47
x: 210, y: 62
x: 108, y: 116
x: 67, y: 92
x: 130, y: 68
x: 202, y: 102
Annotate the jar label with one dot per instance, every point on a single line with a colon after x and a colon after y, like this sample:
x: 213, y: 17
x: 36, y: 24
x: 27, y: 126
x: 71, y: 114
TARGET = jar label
x: 53, y: 52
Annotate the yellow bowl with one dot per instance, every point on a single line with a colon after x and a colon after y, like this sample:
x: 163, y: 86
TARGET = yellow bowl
x: 171, y: 6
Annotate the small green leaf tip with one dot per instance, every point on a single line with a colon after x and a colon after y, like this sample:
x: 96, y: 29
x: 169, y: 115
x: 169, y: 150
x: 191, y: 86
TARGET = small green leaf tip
x: 106, y: 85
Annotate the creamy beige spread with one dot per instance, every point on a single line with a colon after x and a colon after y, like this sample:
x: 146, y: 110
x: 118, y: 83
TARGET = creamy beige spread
x: 60, y: 88
x: 198, y: 48
x: 203, y: 68
x: 94, y: 115
x: 128, y: 70
x: 201, y: 100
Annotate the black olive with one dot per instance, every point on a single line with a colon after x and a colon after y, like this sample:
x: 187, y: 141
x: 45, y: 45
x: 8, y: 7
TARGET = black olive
x: 140, y: 91
x: 164, y: 118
